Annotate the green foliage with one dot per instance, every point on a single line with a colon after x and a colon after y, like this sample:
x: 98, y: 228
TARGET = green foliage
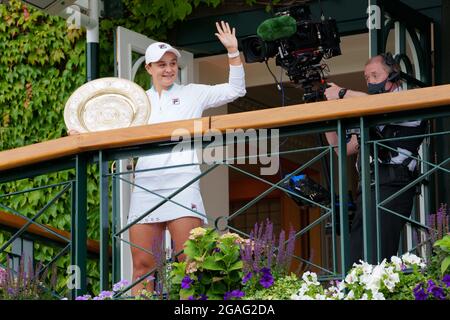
x: 282, y: 289
x: 26, y: 284
x: 42, y: 63
x: 213, y: 265
x: 154, y: 20
x: 404, y: 290
x: 442, y: 248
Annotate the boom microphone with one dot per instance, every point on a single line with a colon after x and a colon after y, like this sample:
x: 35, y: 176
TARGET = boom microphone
x: 277, y: 28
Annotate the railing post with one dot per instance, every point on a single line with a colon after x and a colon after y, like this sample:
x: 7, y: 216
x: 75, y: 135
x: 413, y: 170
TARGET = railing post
x: 377, y: 202
x: 104, y: 222
x: 365, y: 190
x: 343, y: 198
x: 73, y: 228
x: 116, y: 258
x: 81, y: 223
x: 333, y: 211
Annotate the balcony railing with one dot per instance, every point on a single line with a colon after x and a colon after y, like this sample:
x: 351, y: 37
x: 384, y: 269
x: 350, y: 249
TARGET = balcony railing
x: 78, y: 152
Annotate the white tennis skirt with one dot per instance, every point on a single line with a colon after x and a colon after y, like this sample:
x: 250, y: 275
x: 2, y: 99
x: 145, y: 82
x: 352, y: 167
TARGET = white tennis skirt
x: 142, y: 201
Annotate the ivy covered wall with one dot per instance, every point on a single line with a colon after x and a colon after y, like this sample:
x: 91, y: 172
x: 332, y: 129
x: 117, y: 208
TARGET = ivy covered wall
x: 41, y: 63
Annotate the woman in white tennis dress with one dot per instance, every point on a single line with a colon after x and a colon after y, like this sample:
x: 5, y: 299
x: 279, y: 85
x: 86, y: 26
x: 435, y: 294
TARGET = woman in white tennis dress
x: 172, y: 102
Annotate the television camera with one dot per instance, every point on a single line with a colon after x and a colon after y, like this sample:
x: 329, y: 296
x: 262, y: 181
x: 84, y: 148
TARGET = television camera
x: 298, y: 44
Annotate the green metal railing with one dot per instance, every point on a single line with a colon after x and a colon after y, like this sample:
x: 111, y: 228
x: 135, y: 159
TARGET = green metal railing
x: 110, y: 226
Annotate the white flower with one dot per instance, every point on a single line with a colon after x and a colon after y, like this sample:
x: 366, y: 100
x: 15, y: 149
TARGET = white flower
x: 364, y: 297
x: 341, y: 286
x: 335, y: 292
x: 191, y: 267
x: 397, y: 263
x: 378, y: 296
x: 302, y: 293
x: 350, y: 295
x: 310, y: 278
x: 234, y: 236
x: 338, y: 296
x: 301, y: 297
x: 196, y: 233
x: 366, y: 268
x: 374, y: 280
x: 365, y: 279
x: 320, y: 297
x: 391, y: 279
x: 412, y: 259
x: 351, y: 277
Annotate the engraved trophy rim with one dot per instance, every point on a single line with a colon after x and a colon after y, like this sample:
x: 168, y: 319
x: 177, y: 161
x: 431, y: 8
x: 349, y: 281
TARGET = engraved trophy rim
x: 122, y: 91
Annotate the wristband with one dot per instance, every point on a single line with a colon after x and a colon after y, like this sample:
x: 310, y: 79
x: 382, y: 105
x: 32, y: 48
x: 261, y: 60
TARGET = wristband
x: 234, y: 54
x: 342, y: 93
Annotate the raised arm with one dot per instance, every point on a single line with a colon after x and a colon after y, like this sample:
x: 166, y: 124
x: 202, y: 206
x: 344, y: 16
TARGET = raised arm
x: 220, y: 94
x: 227, y: 37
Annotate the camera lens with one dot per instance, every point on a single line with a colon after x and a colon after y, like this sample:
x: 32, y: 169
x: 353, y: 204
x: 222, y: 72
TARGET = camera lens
x: 253, y: 49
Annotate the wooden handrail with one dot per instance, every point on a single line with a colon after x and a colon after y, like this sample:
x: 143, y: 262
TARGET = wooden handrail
x: 335, y: 109
x: 16, y: 222
x: 268, y: 118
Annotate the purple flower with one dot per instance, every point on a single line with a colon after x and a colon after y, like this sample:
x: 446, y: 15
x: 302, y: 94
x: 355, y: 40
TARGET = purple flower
x: 3, y: 275
x: 266, y: 279
x: 290, y: 248
x: 106, y: 295
x: 216, y: 250
x: 202, y: 297
x: 438, y: 293
x: 435, y: 290
x: 85, y: 297
x: 281, y: 254
x: 186, y: 282
x: 149, y: 278
x: 120, y: 285
x: 265, y: 271
x: 419, y: 292
x: 247, y: 277
x: 238, y: 294
x: 446, y: 280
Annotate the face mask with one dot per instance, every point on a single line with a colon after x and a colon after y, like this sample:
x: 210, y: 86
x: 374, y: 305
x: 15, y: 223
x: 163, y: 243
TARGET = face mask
x: 375, y: 88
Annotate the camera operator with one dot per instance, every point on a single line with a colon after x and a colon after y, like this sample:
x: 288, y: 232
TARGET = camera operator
x: 396, y: 170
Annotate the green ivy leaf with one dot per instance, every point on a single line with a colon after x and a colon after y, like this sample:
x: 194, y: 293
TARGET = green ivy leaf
x: 445, y: 264
x: 211, y: 264
x: 236, y: 266
x: 186, y: 293
x: 444, y: 243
